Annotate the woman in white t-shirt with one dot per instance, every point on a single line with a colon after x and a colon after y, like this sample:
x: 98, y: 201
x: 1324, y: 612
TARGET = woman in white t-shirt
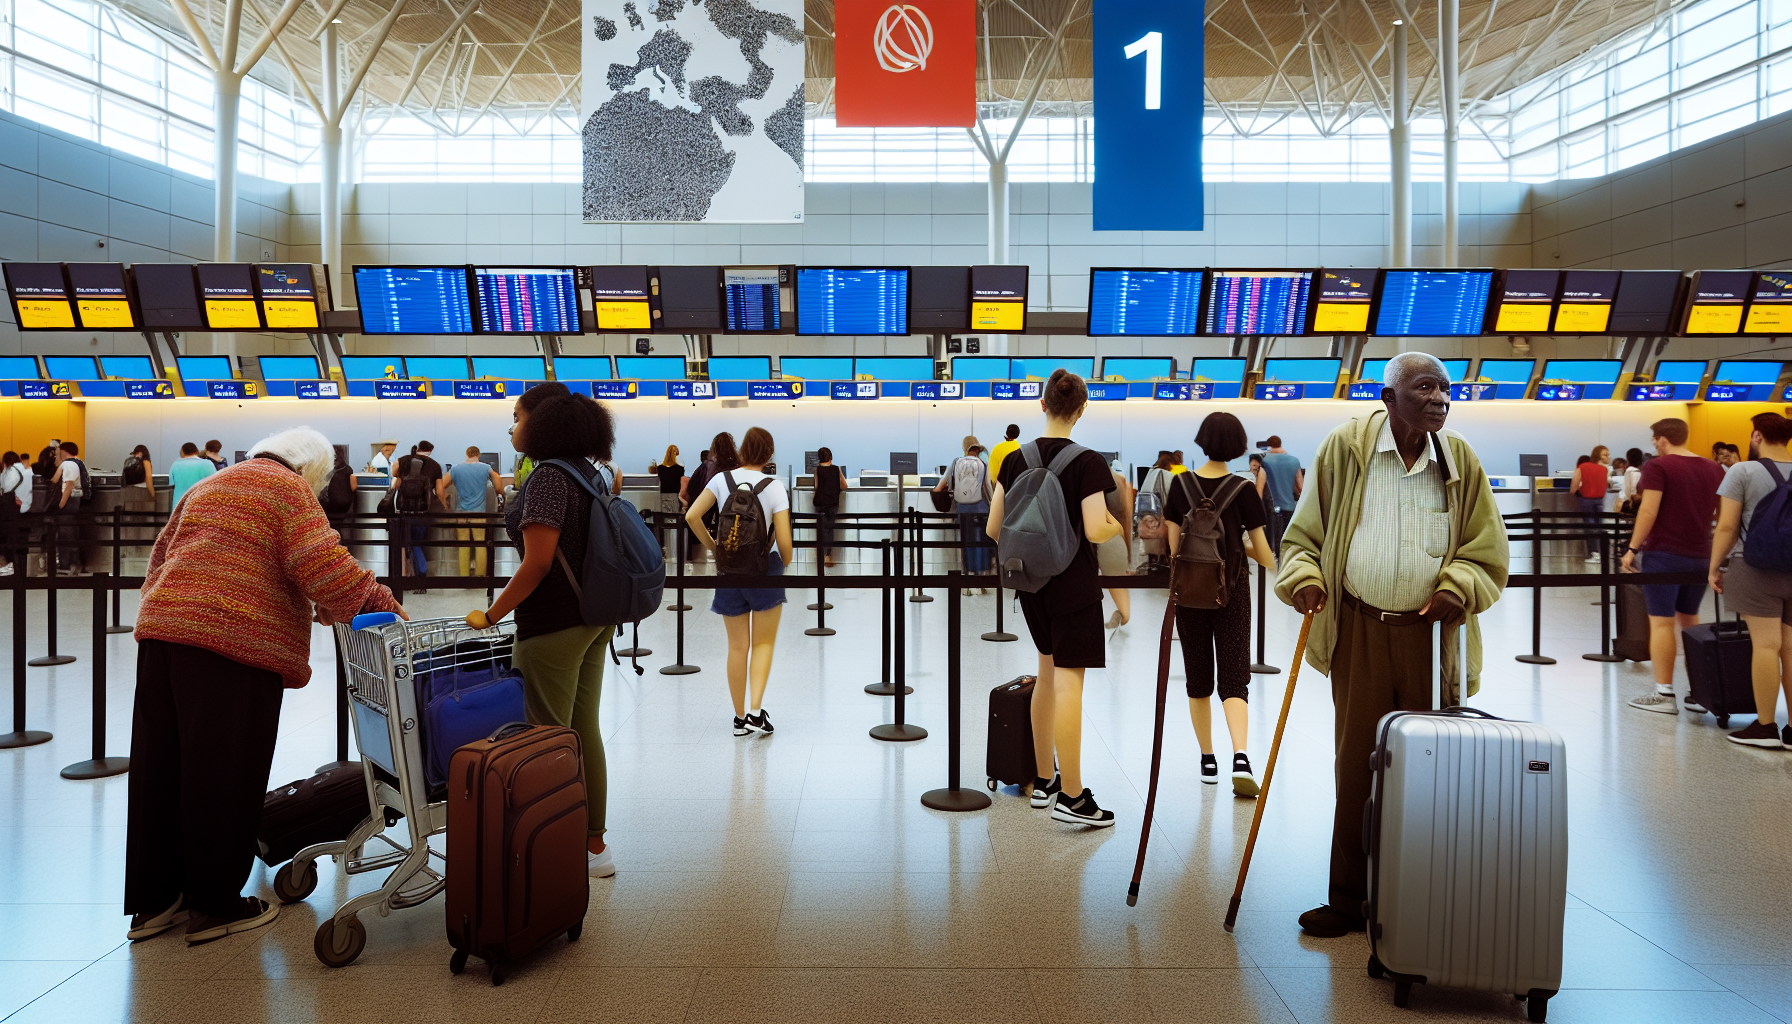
x: 750, y: 613
x: 15, y: 498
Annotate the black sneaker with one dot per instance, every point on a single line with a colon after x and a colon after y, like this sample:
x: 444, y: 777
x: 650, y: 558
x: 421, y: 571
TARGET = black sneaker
x: 1244, y: 784
x: 1044, y: 791
x: 1210, y: 769
x: 249, y: 913
x: 1761, y: 734
x: 144, y: 926
x: 740, y: 726
x: 761, y: 722
x: 1081, y: 811
x: 1786, y: 735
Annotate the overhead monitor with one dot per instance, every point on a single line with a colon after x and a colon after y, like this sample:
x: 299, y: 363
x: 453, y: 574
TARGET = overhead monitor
x: 1715, y: 300
x: 1042, y: 367
x: 1137, y: 368
x: 751, y: 299
x: 1224, y: 370
x: 414, y: 300
x: 691, y: 300
x: 1377, y: 370
x: 19, y: 367
x: 999, y: 298
x: 128, y: 368
x: 815, y: 367
x: 167, y: 297
x: 1243, y: 302
x: 1345, y: 296
x: 510, y: 368
x: 227, y: 294
x: 288, y: 295
x: 892, y: 368
x: 198, y: 368
x: 1506, y: 371
x: 1526, y: 301
x: 527, y: 300
x: 1770, y: 305
x: 102, y: 301
x: 289, y: 368
x: 939, y: 300
x: 1646, y: 301
x: 1743, y: 371
x: 582, y: 367
x: 39, y: 296
x: 650, y: 367
x: 852, y: 300
x: 1302, y: 371
x: 983, y: 368
x: 1432, y: 303
x: 437, y: 367
x: 1583, y: 371
x: 740, y: 367
x: 1144, y: 302
x: 71, y: 368
x: 1586, y: 303
x: 619, y: 298
x: 1681, y: 371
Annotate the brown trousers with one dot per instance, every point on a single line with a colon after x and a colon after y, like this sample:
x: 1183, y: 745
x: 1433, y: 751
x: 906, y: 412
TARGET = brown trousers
x: 1376, y: 668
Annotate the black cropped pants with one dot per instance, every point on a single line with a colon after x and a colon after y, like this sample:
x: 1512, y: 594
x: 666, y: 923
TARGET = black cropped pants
x: 1217, y: 642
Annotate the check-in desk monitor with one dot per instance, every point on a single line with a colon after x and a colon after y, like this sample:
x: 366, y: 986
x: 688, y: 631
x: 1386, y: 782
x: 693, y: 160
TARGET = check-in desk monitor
x: 373, y: 368
x: 650, y: 368
x: 590, y: 368
x: 510, y: 368
x: 1744, y: 380
x: 1597, y: 377
x: 740, y: 367
x: 203, y: 368
x: 1042, y: 367
x: 289, y: 367
x: 815, y: 367
x: 1376, y: 370
x: 985, y: 368
x: 1137, y: 368
x: 1287, y: 379
x: 128, y: 368
x: 71, y: 368
x: 443, y: 368
x: 896, y: 368
x: 19, y: 368
x: 1497, y: 378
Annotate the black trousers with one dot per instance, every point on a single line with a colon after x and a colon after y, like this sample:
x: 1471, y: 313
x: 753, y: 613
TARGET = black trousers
x: 1218, y: 638
x: 202, y: 741
x: 68, y: 535
x: 11, y: 531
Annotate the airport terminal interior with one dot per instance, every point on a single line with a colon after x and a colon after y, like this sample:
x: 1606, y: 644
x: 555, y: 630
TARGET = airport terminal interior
x: 1442, y: 278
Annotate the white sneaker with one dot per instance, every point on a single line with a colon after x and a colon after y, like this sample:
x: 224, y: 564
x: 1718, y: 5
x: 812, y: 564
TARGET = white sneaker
x: 1592, y: 559
x: 1657, y: 701
x: 144, y: 926
x: 252, y: 913
x: 5, y: 570
x: 600, y: 865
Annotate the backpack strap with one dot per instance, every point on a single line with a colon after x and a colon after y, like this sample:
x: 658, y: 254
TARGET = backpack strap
x: 728, y: 475
x: 1029, y: 453
x: 1773, y: 471
x: 760, y: 486
x: 1062, y: 461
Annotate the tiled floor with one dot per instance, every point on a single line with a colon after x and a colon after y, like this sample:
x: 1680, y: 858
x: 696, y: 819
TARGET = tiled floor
x: 797, y: 877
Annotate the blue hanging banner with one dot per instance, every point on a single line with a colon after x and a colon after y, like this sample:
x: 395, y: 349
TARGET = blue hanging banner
x: 1149, y: 107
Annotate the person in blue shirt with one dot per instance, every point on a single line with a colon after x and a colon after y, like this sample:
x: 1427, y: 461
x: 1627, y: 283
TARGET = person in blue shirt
x: 469, y: 479
x: 188, y: 470
x: 1286, y: 478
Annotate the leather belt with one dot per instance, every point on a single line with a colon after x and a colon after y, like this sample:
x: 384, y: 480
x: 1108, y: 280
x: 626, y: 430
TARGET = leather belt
x: 1385, y: 618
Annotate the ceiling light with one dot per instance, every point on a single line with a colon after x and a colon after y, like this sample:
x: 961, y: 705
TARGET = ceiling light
x: 1397, y: 21
x: 338, y: 21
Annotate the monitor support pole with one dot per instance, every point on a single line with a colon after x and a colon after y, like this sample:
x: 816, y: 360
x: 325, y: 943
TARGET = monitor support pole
x: 155, y: 355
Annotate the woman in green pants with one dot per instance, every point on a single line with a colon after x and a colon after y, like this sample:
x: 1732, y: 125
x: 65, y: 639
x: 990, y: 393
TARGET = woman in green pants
x: 561, y: 658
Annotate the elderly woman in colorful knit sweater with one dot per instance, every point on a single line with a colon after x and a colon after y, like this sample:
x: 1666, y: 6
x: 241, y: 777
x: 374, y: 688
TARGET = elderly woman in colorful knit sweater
x: 223, y: 630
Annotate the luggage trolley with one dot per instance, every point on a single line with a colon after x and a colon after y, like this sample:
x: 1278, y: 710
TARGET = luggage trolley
x: 382, y: 664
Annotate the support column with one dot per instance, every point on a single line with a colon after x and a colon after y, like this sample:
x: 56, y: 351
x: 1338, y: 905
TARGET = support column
x: 227, y: 95
x: 998, y: 237
x: 1400, y: 145
x: 330, y: 166
x: 1449, y: 15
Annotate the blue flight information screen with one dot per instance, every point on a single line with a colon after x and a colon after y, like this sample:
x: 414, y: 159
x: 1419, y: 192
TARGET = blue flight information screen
x: 1436, y: 303
x: 414, y: 300
x: 1258, y: 302
x: 839, y: 300
x: 751, y: 296
x: 1154, y: 303
x: 527, y: 300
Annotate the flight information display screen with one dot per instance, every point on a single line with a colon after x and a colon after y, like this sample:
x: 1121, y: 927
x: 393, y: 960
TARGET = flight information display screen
x: 100, y: 296
x: 1770, y: 307
x: 939, y: 299
x: 39, y: 296
x: 1586, y: 303
x: 1715, y: 305
x: 1344, y: 300
x: 527, y: 300
x: 288, y: 295
x: 1149, y: 303
x: 1645, y: 302
x: 691, y: 300
x: 1257, y: 302
x: 128, y: 367
x: 1527, y: 298
x: 414, y: 300
x: 227, y: 294
x: 852, y: 300
x: 167, y: 296
x: 1433, y: 303
x: 999, y: 298
x: 619, y: 298
x: 750, y: 295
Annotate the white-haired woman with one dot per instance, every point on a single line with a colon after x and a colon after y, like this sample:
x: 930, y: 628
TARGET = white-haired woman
x: 223, y: 630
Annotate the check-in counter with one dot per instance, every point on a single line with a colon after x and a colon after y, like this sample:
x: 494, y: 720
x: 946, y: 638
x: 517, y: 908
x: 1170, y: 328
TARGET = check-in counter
x: 874, y: 494
x: 135, y: 542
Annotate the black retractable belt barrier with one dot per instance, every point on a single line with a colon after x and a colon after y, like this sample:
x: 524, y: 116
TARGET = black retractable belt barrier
x: 999, y: 635
x: 19, y: 736
x: 899, y: 731
x: 100, y: 766
x: 1536, y: 657
x: 679, y: 668
x: 885, y: 688
x: 918, y: 553
x: 342, y: 698
x: 1605, y: 603
x: 52, y: 657
x: 954, y: 797
x: 117, y: 571
x: 1262, y: 667
x: 682, y: 545
x: 821, y: 605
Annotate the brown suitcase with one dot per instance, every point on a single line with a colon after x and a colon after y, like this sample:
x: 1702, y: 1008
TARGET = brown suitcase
x: 516, y: 845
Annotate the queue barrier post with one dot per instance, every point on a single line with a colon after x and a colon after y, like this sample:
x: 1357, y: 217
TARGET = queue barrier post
x: 954, y: 797
x: 899, y: 731
x: 52, y: 657
x: 999, y: 635
x: 679, y: 668
x: 117, y: 571
x: 1605, y: 601
x: 885, y: 688
x: 917, y: 553
x: 99, y: 766
x: 821, y: 605
x: 19, y: 736
x: 1262, y: 667
x: 1536, y: 657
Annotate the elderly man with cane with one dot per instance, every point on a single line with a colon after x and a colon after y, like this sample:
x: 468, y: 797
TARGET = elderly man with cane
x: 1398, y: 530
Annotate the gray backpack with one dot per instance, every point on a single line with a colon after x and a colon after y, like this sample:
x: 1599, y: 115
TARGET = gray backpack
x: 1037, y: 542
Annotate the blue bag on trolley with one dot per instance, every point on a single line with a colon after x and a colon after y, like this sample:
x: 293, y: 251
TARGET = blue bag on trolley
x: 465, y: 691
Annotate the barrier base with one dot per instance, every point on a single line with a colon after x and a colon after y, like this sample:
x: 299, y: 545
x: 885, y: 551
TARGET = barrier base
x: 1602, y: 657
x: 28, y: 738
x: 818, y: 631
x: 99, y: 768
x: 1265, y: 670
x: 1535, y: 659
x: 634, y: 652
x: 829, y: 605
x: 678, y: 607
x: 49, y: 660
x: 121, y: 629
x: 886, y: 690
x: 959, y: 799
x: 919, y: 598
x: 898, y: 733
x: 679, y: 670
x: 1000, y: 637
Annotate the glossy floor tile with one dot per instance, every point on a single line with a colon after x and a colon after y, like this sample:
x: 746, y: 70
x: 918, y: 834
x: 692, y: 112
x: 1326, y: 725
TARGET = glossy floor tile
x: 797, y: 877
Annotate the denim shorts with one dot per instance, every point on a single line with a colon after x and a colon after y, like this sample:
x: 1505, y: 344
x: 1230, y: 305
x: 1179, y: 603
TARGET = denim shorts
x: 1664, y: 599
x: 741, y: 600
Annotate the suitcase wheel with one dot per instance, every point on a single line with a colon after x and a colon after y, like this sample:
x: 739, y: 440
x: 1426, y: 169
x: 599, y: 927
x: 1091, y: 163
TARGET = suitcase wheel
x: 290, y: 889
x: 458, y: 962
x: 573, y: 933
x: 1536, y: 1008
x: 1375, y: 969
x: 1402, y: 992
x: 500, y: 971
x: 992, y: 784
x: 338, y: 946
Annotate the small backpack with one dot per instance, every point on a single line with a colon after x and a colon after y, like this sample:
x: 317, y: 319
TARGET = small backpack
x: 742, y: 534
x: 624, y: 575
x: 133, y: 470
x: 1769, y: 544
x: 86, y: 481
x: 1201, y: 575
x: 967, y: 480
x: 1148, y: 516
x: 338, y: 498
x: 1037, y: 542
x: 413, y: 490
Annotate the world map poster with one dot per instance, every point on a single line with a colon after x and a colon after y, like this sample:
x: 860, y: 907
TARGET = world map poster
x: 693, y: 110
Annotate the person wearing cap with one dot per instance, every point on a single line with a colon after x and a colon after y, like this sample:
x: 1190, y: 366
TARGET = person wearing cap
x: 382, y: 459
x: 967, y: 480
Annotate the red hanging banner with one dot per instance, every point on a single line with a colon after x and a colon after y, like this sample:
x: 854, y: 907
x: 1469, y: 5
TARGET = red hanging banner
x: 905, y: 65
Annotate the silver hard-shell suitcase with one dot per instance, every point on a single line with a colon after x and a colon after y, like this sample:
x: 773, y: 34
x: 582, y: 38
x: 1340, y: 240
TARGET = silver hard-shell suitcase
x: 1467, y: 837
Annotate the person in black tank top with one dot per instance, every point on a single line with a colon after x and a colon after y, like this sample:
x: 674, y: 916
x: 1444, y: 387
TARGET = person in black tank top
x: 830, y: 480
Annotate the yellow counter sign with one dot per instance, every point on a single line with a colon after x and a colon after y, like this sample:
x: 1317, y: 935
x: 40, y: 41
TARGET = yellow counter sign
x: 231, y: 314
x: 1341, y: 318
x: 1714, y: 319
x: 45, y: 313
x: 296, y: 313
x: 105, y: 314
x: 622, y: 316
x: 1582, y: 317
x: 1522, y: 316
x: 998, y: 316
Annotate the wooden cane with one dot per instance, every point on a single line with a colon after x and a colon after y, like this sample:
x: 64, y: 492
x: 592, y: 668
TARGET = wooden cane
x: 1157, y: 744
x: 1269, y: 771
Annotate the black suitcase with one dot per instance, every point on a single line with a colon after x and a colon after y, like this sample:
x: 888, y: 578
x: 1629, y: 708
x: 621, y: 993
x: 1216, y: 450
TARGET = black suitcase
x: 1009, y: 759
x: 1632, y: 640
x: 322, y: 809
x: 1718, y: 670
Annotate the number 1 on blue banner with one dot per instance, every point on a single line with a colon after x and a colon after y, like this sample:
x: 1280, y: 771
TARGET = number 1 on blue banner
x: 1150, y: 100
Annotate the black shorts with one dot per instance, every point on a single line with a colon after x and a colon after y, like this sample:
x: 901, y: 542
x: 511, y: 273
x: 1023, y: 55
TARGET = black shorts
x: 1073, y: 639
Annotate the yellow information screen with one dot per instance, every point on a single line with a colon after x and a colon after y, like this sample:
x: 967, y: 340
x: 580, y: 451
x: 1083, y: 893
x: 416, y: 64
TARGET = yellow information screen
x: 42, y: 313
x: 1522, y: 316
x: 230, y: 314
x: 1583, y: 317
x: 1714, y: 320
x: 1768, y: 318
x: 998, y: 316
x: 622, y: 316
x: 105, y: 314
x: 1341, y: 318
x: 300, y: 313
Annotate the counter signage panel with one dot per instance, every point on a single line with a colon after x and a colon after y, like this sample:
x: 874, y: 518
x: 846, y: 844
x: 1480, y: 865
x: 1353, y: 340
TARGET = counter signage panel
x: 852, y: 300
x: 1104, y: 391
x: 855, y: 390
x: 414, y: 300
x: 618, y: 390
x: 233, y: 389
x: 1365, y: 391
x: 288, y: 295
x: 936, y: 391
x: 1146, y: 303
x: 1432, y: 303
x: 39, y: 296
x: 527, y: 300
x: 1715, y: 305
x: 1015, y: 390
x: 167, y: 296
x: 152, y: 389
x: 100, y: 296
x: 999, y: 298
x: 317, y: 389
x: 1770, y: 307
x: 751, y: 297
x: 1526, y: 300
x: 227, y: 292
x: 1645, y: 302
x: 405, y: 390
x: 45, y: 389
x: 1586, y: 304
x: 1279, y: 392
x: 1344, y: 300
x: 1786, y: 395
x: 775, y: 390
x: 1651, y: 392
x: 690, y: 389
x: 1472, y: 392
x: 619, y: 298
x: 479, y: 389
x: 1181, y: 391
x: 1257, y: 302
x: 1560, y: 392
x: 1727, y: 393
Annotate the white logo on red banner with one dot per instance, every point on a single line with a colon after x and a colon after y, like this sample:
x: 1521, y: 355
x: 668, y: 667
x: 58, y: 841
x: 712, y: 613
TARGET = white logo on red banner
x: 903, y: 39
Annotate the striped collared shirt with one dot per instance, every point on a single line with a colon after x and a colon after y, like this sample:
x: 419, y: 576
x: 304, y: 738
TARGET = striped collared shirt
x: 1399, y: 544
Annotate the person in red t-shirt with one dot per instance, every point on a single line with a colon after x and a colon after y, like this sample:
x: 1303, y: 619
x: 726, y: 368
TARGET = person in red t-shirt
x: 1592, y: 479
x: 1672, y: 534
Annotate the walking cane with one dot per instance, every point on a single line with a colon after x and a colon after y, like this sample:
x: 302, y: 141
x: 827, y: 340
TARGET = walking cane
x: 1269, y: 771
x: 1157, y: 742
